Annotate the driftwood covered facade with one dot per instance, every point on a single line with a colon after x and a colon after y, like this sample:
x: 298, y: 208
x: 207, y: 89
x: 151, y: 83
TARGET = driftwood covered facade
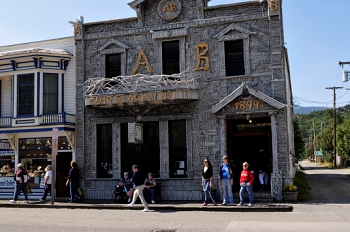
x: 197, y: 81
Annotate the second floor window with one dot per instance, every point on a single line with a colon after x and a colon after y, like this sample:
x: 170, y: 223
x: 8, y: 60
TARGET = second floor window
x: 50, y: 93
x: 234, y: 58
x: 113, y: 65
x: 25, y: 94
x: 171, y: 57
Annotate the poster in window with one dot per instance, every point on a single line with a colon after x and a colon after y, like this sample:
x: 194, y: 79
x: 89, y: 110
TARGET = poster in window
x: 181, y: 164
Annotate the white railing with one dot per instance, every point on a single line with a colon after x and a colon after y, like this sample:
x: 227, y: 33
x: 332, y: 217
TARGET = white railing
x: 5, y: 122
x: 51, y: 118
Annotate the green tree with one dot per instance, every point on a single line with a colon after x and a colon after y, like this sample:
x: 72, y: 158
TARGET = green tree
x: 324, y: 140
x: 343, y: 141
x: 299, y: 144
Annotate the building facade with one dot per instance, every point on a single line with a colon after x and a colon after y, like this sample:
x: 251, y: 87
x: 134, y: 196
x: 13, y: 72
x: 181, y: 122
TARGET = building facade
x: 37, y: 83
x: 180, y: 82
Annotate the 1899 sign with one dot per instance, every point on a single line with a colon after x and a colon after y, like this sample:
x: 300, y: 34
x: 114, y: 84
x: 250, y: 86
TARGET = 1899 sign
x: 247, y: 104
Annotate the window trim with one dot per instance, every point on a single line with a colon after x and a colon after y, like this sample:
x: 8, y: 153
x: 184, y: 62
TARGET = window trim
x: 159, y: 51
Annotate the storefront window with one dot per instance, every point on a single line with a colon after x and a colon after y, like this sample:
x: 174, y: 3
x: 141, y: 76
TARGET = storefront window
x: 104, y: 151
x: 35, y: 155
x: 177, y: 148
x: 7, y: 159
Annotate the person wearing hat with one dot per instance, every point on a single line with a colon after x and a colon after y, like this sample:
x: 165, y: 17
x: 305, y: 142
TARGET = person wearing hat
x: 21, y: 178
x: 47, y: 182
x: 138, y: 181
x: 125, y: 186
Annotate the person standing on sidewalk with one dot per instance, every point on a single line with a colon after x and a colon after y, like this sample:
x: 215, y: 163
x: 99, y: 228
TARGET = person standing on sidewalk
x: 138, y: 181
x: 73, y: 182
x: 207, y: 181
x: 246, y: 183
x: 21, y: 178
x: 47, y: 182
x: 226, y: 181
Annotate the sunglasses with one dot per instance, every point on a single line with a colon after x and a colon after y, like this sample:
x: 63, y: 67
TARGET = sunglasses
x: 205, y: 161
x: 245, y: 165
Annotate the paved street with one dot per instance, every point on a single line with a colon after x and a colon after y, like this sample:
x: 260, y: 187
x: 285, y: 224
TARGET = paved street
x: 320, y: 214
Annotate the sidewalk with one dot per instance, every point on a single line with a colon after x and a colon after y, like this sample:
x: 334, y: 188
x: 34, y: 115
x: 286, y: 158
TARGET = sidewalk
x: 163, y: 205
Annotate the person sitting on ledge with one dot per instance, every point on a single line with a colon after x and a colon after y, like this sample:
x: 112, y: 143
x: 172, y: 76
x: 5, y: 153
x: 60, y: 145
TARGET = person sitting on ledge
x: 150, y: 187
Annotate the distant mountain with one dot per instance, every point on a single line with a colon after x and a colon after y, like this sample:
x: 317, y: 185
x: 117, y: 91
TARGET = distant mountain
x: 307, y: 110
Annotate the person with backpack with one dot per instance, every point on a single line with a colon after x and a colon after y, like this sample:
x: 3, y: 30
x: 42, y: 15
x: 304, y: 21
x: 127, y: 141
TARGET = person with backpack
x: 73, y: 182
x: 246, y: 182
x: 21, y: 179
x: 226, y: 181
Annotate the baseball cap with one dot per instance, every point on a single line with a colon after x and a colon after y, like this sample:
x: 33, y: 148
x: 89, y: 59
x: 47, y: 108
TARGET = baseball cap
x: 19, y: 165
x: 134, y: 166
x: 126, y: 173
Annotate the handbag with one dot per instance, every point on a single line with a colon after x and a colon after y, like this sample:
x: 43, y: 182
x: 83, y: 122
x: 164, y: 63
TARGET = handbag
x: 29, y: 190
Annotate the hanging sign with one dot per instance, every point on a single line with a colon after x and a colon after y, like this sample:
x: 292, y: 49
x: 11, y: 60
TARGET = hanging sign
x: 135, y: 132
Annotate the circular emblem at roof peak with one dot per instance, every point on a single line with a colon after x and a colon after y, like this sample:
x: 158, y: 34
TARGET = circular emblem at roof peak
x: 169, y: 9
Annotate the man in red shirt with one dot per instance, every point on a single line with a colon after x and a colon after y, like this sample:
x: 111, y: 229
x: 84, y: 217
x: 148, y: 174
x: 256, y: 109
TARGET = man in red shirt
x: 246, y: 183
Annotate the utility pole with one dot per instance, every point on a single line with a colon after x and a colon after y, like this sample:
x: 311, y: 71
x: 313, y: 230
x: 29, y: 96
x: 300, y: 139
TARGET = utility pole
x: 334, y: 123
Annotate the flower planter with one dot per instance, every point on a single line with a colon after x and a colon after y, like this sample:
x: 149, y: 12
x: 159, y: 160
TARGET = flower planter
x: 290, y: 196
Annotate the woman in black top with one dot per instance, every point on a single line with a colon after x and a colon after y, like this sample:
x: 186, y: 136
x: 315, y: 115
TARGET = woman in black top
x: 73, y: 182
x: 207, y: 180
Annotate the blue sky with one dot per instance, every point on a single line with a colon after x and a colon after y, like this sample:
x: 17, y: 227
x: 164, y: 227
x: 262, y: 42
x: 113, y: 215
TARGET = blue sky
x: 316, y: 36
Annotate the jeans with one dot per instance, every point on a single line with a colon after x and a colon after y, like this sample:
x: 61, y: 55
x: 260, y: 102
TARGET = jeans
x: 139, y: 193
x: 227, y: 187
x: 244, y: 188
x: 73, y: 185
x: 151, y: 190
x: 263, y: 177
x: 47, y: 190
x: 207, y: 190
x: 21, y: 187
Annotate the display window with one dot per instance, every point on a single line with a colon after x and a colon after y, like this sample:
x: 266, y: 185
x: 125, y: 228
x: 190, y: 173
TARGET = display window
x: 35, y: 154
x: 6, y: 165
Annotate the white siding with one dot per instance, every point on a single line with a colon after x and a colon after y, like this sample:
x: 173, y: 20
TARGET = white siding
x: 6, y: 101
x: 69, y: 76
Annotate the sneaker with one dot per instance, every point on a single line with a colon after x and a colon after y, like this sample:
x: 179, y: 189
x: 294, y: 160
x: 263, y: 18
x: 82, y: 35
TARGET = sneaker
x: 25, y: 201
x: 204, y: 204
x: 130, y: 205
x: 145, y: 210
x: 250, y: 205
x: 224, y: 204
x: 41, y: 200
x: 12, y: 201
x: 153, y: 202
x: 214, y: 204
x: 240, y: 205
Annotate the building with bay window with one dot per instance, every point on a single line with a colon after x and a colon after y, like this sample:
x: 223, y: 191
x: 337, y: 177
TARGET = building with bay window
x: 37, y: 82
x: 180, y: 82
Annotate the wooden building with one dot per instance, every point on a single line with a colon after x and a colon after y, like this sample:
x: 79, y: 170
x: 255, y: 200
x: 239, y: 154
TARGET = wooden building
x: 37, y: 81
x: 180, y: 82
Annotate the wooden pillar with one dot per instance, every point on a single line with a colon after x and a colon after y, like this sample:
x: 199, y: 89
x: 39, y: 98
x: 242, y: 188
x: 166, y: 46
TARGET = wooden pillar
x: 116, y: 159
x: 164, y: 149
x: 276, y: 176
x: 223, y: 135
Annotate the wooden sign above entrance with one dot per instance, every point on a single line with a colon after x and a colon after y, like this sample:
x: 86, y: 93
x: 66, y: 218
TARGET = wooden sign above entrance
x: 142, y: 98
